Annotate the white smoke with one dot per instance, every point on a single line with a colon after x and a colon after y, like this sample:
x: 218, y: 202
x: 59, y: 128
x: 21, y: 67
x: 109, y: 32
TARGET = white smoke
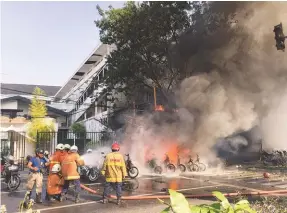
x: 96, y: 158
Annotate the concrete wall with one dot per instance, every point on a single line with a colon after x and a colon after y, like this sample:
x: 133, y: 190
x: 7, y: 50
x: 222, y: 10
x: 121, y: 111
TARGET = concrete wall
x: 9, y: 105
x: 93, y: 125
x: 23, y: 106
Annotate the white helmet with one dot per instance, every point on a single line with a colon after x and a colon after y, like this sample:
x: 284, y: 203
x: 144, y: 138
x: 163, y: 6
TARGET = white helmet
x: 46, y: 153
x: 89, y: 151
x: 60, y: 146
x: 67, y: 146
x: 56, y: 168
x: 74, y: 148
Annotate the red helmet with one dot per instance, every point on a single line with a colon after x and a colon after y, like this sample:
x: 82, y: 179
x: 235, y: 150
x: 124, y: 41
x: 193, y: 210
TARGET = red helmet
x: 115, y: 146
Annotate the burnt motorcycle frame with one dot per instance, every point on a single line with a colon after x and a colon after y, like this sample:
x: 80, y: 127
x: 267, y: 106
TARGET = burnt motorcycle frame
x: 132, y: 170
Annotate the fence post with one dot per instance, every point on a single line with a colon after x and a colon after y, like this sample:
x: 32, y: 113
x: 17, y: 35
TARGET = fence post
x: 37, y: 139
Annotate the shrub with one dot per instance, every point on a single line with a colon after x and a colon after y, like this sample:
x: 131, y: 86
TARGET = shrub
x: 179, y: 204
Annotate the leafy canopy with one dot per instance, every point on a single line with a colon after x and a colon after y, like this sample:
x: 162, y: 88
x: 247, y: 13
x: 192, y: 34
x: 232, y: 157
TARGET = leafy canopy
x: 143, y: 34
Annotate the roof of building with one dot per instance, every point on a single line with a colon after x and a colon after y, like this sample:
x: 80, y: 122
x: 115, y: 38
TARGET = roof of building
x: 28, y: 101
x: 27, y: 89
x: 94, y: 58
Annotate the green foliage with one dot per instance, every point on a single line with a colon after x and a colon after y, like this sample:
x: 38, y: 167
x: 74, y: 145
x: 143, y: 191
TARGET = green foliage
x: 179, y: 204
x: 38, y: 113
x: 38, y: 107
x: 143, y: 34
x: 78, y: 128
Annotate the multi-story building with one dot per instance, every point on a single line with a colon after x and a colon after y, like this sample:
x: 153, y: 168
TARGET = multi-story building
x: 82, y: 96
x: 88, y: 101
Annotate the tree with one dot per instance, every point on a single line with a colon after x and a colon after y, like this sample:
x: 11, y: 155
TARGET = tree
x: 38, y: 113
x: 78, y: 128
x: 144, y: 35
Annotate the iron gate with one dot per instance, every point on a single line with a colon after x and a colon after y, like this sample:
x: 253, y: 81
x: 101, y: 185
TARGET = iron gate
x: 89, y: 140
x: 14, y: 143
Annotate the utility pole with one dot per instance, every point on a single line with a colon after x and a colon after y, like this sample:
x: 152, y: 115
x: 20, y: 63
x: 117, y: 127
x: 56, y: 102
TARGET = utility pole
x: 154, y: 96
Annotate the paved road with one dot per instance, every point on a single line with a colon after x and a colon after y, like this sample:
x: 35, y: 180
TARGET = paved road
x: 188, y: 183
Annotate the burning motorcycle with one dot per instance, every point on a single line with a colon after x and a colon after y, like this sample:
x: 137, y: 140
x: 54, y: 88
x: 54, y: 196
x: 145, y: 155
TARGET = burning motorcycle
x: 153, y: 165
x: 195, y: 166
x: 168, y: 165
x: 89, y: 172
x: 132, y: 171
x: 11, y: 174
x: 181, y: 167
x: 191, y: 166
x: 201, y: 166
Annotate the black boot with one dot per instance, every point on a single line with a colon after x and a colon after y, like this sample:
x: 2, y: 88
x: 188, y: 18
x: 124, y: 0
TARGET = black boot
x: 39, y: 198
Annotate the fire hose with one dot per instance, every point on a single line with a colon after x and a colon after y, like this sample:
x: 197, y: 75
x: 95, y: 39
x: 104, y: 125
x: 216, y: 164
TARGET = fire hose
x: 139, y: 197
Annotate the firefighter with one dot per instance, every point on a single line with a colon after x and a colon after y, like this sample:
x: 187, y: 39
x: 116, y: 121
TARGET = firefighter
x: 69, y: 171
x: 67, y: 147
x: 55, y: 183
x: 36, y: 164
x: 55, y: 157
x: 114, y: 170
x: 65, y: 152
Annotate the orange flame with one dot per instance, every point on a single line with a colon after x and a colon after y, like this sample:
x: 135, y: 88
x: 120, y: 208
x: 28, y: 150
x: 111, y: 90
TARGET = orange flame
x: 173, y: 152
x: 159, y: 108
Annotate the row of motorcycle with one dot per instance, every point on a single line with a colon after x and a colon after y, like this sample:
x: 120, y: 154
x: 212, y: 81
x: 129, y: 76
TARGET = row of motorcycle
x: 10, y: 169
x: 274, y: 158
x: 93, y: 173
x: 190, y: 165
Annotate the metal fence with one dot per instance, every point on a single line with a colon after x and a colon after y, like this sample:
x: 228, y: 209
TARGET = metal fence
x: 14, y: 143
x: 89, y: 140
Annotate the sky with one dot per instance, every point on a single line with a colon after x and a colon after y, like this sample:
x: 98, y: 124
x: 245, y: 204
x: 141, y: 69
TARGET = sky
x: 44, y: 43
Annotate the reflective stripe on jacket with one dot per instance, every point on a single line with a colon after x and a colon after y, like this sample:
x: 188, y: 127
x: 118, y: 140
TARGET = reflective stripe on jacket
x: 54, y: 159
x: 114, y: 168
x: 69, y: 166
x: 55, y: 184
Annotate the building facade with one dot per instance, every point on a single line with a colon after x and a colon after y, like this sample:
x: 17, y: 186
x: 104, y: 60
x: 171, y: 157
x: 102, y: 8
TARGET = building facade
x: 83, y: 97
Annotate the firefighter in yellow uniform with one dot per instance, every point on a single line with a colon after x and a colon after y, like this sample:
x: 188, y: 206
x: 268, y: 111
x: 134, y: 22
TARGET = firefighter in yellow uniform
x: 69, y: 171
x: 114, y: 170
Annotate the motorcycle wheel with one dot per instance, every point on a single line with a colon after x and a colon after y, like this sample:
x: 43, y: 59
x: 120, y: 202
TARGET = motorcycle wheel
x: 158, y: 170
x: 133, y: 172
x: 192, y: 168
x: 182, y: 168
x: 170, y: 167
x: 14, y: 183
x: 94, y: 175
x: 201, y: 167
